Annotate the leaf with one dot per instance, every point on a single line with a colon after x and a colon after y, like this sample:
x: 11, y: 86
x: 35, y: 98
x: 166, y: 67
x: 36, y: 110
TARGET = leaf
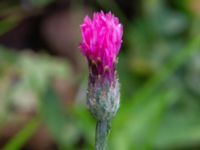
x: 178, y: 135
x: 142, y: 126
x: 61, y: 126
x: 179, y: 59
x: 8, y: 24
x: 23, y: 136
x: 41, y: 3
x: 137, y: 117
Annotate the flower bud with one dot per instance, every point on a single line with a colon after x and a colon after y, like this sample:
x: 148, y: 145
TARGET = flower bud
x: 103, y: 98
x: 101, y: 42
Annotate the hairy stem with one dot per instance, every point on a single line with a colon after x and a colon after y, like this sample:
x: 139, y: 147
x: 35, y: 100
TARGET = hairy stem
x: 102, y: 130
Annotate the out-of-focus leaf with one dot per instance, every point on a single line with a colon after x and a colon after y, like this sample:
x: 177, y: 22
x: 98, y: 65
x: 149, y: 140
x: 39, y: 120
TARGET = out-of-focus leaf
x: 8, y: 24
x: 41, y: 3
x: 23, y: 136
x: 86, y: 125
x: 165, y: 72
x: 7, y: 56
x: 179, y: 131
x: 158, y: 13
x: 143, y: 99
x: 62, y: 127
x: 192, y: 74
x: 142, y: 125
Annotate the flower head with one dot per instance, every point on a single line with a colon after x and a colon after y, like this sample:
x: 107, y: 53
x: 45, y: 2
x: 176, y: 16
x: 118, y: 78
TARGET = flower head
x: 101, y: 42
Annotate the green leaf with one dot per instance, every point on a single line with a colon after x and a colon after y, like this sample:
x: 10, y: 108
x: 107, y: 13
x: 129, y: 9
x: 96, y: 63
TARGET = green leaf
x: 137, y: 118
x: 41, y: 3
x: 142, y: 126
x: 179, y: 59
x: 23, y: 136
x: 183, y: 137
x: 8, y: 24
x: 62, y: 127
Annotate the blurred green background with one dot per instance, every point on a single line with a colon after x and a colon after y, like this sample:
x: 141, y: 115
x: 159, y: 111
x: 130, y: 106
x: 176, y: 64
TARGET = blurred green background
x: 43, y: 77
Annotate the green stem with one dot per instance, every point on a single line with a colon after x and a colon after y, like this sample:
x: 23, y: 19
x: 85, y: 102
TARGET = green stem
x: 102, y: 130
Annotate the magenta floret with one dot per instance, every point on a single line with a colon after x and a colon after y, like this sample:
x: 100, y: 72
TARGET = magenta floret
x: 101, y: 42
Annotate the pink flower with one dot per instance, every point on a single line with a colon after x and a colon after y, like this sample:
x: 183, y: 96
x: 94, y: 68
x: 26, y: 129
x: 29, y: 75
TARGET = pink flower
x: 101, y: 42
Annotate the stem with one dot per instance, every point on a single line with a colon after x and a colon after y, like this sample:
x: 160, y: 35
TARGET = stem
x: 102, y: 130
